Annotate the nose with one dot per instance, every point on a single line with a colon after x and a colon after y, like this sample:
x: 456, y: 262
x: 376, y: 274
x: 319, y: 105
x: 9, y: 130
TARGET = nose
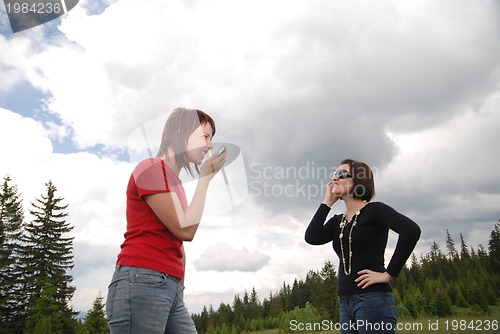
x: 209, y: 143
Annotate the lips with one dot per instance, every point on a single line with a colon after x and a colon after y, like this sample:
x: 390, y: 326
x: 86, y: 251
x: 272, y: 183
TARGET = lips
x: 203, y: 153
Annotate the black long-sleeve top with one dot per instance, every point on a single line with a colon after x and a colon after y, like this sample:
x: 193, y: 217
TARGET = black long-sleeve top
x: 369, y: 240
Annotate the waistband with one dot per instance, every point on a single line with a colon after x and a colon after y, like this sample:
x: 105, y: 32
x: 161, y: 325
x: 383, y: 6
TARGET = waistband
x: 120, y: 267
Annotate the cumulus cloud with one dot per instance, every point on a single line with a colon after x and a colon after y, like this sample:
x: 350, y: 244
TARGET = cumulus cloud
x: 93, y: 187
x: 409, y: 87
x: 224, y: 257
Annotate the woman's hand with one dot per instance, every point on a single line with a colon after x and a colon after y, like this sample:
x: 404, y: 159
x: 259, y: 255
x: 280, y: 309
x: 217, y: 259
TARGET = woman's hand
x: 213, y: 164
x: 167, y: 206
x: 368, y: 277
x: 330, y: 198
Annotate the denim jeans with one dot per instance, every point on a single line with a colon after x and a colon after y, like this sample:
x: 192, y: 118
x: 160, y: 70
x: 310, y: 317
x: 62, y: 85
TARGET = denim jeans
x: 146, y: 301
x: 370, y: 312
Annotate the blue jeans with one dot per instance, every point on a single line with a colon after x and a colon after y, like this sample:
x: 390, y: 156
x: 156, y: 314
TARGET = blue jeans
x: 370, y: 312
x: 146, y: 301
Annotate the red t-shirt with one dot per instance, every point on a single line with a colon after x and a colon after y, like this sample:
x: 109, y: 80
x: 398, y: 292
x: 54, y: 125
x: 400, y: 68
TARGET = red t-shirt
x: 148, y: 243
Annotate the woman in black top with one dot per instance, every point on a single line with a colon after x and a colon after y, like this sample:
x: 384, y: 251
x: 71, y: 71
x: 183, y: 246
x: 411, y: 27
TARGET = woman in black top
x: 359, y: 238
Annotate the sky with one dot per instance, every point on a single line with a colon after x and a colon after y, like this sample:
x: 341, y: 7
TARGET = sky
x: 410, y: 87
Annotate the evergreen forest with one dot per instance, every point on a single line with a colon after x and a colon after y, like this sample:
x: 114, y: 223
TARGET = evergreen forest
x: 36, y: 259
x: 452, y: 282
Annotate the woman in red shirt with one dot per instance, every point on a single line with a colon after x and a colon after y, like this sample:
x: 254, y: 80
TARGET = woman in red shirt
x: 145, y: 294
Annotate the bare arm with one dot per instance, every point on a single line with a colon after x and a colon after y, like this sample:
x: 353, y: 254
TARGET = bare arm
x: 168, y: 208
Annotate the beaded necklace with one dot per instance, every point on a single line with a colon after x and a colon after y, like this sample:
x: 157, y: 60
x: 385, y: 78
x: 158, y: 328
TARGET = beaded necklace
x: 343, y: 224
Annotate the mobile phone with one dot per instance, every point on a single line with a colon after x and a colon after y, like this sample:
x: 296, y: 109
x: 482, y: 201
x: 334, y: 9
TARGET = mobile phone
x: 221, y: 150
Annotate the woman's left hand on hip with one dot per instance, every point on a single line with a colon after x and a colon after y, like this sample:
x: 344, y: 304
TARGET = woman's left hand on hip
x: 368, y: 277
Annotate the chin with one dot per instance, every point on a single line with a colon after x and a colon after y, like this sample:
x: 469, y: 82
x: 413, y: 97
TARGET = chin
x: 195, y: 159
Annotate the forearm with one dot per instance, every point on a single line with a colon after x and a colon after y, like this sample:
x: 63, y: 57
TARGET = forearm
x: 194, y: 212
x: 315, y: 233
x: 403, y: 250
x: 406, y: 243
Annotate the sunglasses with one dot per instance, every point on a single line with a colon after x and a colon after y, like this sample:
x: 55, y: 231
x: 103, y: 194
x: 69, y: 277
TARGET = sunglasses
x: 342, y: 174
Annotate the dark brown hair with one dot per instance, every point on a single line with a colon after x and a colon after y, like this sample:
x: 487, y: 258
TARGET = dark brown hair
x: 362, y: 176
x: 178, y: 128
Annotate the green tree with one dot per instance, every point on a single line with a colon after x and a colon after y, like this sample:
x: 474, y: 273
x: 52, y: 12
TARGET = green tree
x: 275, y: 306
x: 225, y: 314
x: 464, y: 251
x: 45, y: 315
x: 43, y: 326
x: 329, y: 289
x: 300, y: 315
x: 201, y: 321
x: 494, y: 249
x: 239, y: 312
x: 12, y: 298
x: 253, y: 308
x: 450, y: 246
x: 435, y: 285
x: 47, y: 254
x: 441, y: 302
x: 95, y: 321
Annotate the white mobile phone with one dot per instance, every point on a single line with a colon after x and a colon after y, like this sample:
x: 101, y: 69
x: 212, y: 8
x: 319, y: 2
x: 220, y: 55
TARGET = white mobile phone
x: 221, y: 150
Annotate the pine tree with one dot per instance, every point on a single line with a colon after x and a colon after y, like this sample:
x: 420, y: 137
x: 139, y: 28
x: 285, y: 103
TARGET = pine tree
x: 450, y: 245
x: 464, y: 251
x: 95, y: 321
x: 253, y: 309
x: 494, y: 249
x: 239, y: 312
x: 201, y: 321
x: 12, y: 301
x: 225, y: 314
x: 47, y: 254
x: 433, y: 286
x: 440, y: 302
x: 329, y: 289
x: 46, y: 315
x: 276, y: 306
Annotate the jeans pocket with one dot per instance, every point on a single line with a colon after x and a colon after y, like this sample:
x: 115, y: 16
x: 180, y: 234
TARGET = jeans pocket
x: 118, y: 278
x: 391, y: 302
x: 110, y: 299
x: 149, y: 278
x: 370, y: 297
x: 371, y: 303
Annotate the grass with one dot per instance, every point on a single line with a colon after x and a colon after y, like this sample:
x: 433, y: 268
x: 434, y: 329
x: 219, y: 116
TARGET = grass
x: 456, y: 324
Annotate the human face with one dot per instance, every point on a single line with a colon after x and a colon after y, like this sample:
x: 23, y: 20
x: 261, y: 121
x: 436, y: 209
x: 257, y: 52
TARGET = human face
x: 199, y: 143
x: 342, y: 181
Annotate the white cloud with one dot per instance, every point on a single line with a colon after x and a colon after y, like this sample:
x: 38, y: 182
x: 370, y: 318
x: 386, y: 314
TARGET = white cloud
x: 114, y: 74
x: 443, y: 173
x: 93, y: 187
x: 289, y: 82
x: 253, y: 235
x: 224, y: 257
x: 17, y: 133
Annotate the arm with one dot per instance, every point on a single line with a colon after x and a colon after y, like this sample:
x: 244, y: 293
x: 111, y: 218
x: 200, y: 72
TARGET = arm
x: 319, y: 233
x: 168, y: 208
x: 409, y: 233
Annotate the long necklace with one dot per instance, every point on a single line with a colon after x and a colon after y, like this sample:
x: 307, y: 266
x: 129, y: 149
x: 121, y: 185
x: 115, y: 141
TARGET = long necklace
x: 343, y: 224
